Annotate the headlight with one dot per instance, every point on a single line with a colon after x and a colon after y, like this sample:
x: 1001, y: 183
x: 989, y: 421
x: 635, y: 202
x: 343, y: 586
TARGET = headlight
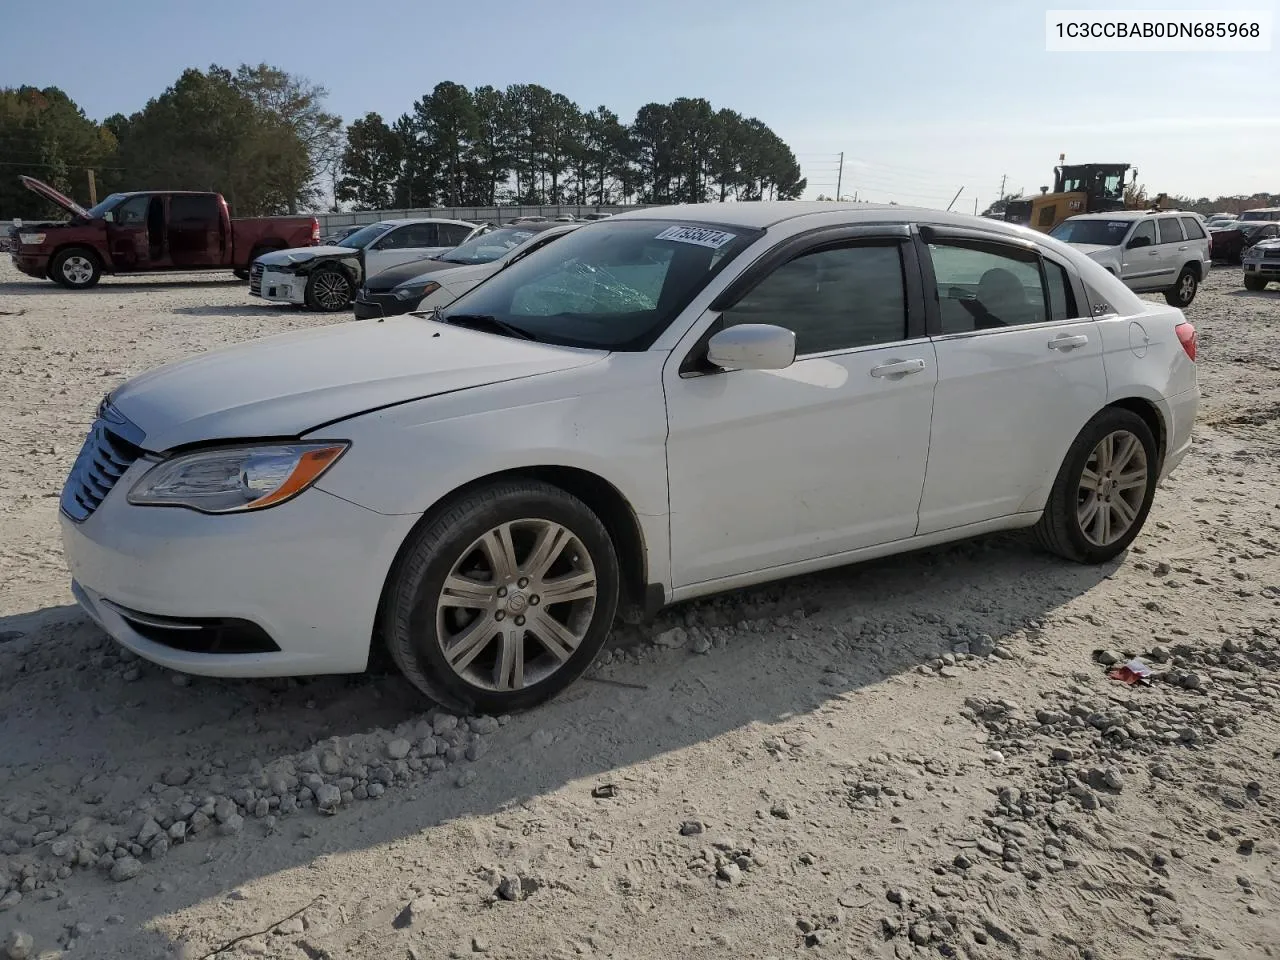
x: 32, y: 239
x: 236, y: 479
x: 416, y: 292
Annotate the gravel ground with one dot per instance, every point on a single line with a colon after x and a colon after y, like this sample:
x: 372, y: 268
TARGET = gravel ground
x: 914, y: 757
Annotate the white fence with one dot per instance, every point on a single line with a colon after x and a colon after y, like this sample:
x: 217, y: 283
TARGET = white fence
x: 333, y: 222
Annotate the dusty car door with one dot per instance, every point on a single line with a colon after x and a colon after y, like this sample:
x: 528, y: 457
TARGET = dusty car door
x: 127, y: 234
x: 1140, y: 261
x: 774, y: 467
x: 1020, y: 372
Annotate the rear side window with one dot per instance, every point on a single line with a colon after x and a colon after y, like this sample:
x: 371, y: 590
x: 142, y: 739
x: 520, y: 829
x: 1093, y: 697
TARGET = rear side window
x: 1170, y: 232
x: 1193, y: 228
x: 187, y: 209
x: 987, y: 286
x: 452, y: 234
x: 1062, y: 302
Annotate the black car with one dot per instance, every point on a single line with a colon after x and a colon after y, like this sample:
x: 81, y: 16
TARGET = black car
x: 388, y: 293
x: 1232, y: 238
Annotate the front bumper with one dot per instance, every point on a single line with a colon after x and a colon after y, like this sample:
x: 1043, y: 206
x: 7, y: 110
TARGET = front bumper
x: 1269, y: 268
x: 32, y: 264
x: 369, y: 306
x: 279, y: 287
x: 306, y: 576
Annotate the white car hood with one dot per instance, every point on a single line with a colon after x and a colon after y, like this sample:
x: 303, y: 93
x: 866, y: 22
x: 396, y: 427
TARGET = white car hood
x: 278, y: 258
x: 1092, y: 249
x: 285, y: 385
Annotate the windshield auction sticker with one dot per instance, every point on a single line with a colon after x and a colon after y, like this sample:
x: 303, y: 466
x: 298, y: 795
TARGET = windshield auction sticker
x: 715, y: 239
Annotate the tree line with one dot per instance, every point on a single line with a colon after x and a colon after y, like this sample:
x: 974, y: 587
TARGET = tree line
x: 263, y: 138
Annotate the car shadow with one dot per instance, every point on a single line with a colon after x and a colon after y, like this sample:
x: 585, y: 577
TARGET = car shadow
x: 235, y: 310
x: 1251, y: 294
x: 840, y: 632
x: 108, y: 285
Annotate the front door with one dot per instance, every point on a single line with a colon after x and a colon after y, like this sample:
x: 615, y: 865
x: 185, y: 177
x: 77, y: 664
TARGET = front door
x: 127, y: 234
x: 1141, y: 265
x: 772, y: 467
x: 412, y: 241
x: 1020, y: 372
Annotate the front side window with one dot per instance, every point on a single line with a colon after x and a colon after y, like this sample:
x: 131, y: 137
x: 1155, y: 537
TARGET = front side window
x: 985, y: 286
x: 836, y: 298
x: 1145, y: 231
x: 1170, y: 231
x: 412, y: 236
x: 613, y: 286
x: 133, y: 211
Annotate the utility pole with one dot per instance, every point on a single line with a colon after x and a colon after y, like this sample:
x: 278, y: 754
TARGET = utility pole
x: 975, y: 206
x: 1002, y: 180
x: 955, y: 198
x: 93, y: 190
x: 840, y: 175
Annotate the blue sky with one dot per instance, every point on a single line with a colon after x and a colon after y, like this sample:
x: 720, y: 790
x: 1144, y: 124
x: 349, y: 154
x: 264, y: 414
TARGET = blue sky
x: 924, y: 97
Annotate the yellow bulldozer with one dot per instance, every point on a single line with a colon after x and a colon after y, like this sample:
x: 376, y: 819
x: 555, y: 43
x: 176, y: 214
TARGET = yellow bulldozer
x: 1079, y: 188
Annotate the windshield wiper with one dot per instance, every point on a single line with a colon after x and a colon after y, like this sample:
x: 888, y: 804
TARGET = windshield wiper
x: 482, y: 321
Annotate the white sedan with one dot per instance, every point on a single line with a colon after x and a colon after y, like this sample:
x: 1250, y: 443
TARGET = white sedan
x: 665, y: 404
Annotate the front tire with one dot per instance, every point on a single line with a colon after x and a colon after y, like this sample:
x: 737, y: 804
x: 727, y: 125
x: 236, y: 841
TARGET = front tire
x: 329, y: 289
x: 1184, y: 289
x: 1254, y: 283
x: 503, y: 599
x: 77, y: 268
x: 1103, y: 491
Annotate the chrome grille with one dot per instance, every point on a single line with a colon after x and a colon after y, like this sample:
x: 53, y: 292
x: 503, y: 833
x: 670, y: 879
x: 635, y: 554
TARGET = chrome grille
x: 103, y: 460
x: 1272, y: 253
x: 255, y: 279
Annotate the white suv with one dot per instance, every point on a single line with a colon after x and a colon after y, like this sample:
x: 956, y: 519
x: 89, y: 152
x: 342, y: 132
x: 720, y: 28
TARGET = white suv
x: 1163, y: 251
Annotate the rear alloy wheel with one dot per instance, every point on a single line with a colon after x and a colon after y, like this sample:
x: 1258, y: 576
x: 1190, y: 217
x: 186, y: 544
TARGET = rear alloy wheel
x: 1104, y: 489
x: 76, y: 268
x: 1184, y: 290
x: 504, y: 599
x: 329, y: 289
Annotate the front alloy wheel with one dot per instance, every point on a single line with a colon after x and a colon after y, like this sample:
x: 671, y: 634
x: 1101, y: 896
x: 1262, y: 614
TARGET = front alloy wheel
x: 516, y: 605
x: 502, y: 598
x: 329, y: 289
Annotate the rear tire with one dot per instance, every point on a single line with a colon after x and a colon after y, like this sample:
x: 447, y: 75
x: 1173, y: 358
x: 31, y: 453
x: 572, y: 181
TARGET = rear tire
x: 76, y: 268
x: 477, y: 632
x: 242, y: 273
x: 1254, y: 283
x: 329, y: 289
x: 1184, y: 289
x: 1103, y: 491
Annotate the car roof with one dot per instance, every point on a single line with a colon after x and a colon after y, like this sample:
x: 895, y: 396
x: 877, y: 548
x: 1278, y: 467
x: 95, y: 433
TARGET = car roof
x: 401, y: 223
x: 1134, y: 214
x: 761, y: 214
x: 1264, y: 210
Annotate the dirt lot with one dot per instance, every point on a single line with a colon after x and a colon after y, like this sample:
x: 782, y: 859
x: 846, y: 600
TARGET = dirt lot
x: 915, y: 757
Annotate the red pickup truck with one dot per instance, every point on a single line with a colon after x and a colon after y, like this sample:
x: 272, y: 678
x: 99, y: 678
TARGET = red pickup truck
x: 147, y: 232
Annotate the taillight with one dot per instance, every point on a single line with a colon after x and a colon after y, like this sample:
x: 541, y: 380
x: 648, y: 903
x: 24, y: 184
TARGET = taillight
x: 1186, y: 332
x: 315, y: 230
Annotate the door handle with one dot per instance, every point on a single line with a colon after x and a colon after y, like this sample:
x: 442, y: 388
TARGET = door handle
x: 895, y: 369
x: 1153, y: 253
x: 1182, y: 248
x: 1068, y: 342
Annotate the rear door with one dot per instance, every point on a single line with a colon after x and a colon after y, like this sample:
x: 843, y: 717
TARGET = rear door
x: 1174, y: 250
x: 196, y: 231
x: 1020, y: 372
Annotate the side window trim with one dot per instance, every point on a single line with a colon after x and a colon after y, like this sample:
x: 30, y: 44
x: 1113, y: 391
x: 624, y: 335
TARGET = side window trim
x: 926, y: 233
x: 1083, y: 310
x: 693, y: 363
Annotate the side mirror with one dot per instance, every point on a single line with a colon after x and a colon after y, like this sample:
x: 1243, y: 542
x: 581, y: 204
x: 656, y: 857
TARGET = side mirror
x: 1137, y: 242
x: 753, y: 346
x: 109, y: 216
